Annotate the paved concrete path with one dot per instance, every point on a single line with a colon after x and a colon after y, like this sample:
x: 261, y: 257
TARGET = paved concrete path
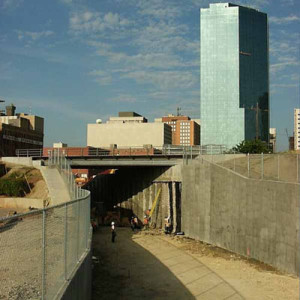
x: 147, y: 267
x: 58, y: 190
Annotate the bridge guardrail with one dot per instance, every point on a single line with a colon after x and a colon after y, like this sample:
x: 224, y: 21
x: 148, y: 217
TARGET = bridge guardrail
x: 41, y: 249
x: 167, y: 150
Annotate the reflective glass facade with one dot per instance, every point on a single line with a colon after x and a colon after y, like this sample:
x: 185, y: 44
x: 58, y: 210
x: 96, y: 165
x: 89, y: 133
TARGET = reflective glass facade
x: 234, y: 74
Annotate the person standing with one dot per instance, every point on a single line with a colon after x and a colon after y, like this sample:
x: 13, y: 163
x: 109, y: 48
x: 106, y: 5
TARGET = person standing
x: 113, y: 232
x: 132, y: 223
x: 146, y: 222
x: 136, y: 222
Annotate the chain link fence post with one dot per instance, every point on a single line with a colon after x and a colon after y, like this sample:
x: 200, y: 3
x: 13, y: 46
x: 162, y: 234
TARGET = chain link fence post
x: 66, y: 242
x: 87, y: 204
x: 297, y: 157
x: 262, y: 165
x: 44, y: 255
x: 278, y: 166
x: 248, y: 165
x: 234, y: 160
x: 77, y: 235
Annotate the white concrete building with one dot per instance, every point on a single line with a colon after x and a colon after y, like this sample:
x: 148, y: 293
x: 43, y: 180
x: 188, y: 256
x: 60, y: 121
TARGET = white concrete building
x: 297, y: 128
x: 128, y: 131
x: 60, y: 145
x: 272, y: 134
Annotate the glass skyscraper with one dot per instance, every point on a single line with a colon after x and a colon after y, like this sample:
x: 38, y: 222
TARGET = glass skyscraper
x: 234, y: 70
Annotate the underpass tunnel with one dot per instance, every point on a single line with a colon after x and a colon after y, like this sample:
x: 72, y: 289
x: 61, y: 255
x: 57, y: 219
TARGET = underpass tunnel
x: 132, y: 191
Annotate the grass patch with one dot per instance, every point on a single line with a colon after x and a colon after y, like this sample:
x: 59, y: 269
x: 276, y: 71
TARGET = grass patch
x: 14, y: 186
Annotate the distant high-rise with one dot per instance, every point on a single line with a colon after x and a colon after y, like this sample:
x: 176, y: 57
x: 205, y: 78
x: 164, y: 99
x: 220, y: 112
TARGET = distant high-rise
x: 185, y: 132
x: 234, y: 74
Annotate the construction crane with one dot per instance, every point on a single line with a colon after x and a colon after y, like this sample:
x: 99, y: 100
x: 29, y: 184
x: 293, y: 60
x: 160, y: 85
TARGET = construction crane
x: 257, y: 109
x: 287, y: 133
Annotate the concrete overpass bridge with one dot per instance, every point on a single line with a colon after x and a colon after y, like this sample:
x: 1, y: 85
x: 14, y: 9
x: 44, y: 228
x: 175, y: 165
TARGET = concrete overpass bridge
x: 89, y: 157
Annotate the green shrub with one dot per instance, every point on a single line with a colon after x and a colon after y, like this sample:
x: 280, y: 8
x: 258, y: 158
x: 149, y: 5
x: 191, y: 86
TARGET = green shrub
x: 251, y: 146
x: 13, y: 187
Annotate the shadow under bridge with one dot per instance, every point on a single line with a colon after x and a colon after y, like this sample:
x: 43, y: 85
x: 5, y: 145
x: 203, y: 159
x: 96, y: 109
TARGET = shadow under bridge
x: 133, y: 190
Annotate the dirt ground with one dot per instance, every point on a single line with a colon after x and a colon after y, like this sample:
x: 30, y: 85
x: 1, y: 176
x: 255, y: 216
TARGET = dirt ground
x: 151, y: 265
x: 34, y: 178
x: 38, y: 187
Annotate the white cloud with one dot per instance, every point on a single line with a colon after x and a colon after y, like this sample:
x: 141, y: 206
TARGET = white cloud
x: 124, y: 98
x: 105, y: 80
x: 288, y: 62
x: 11, y: 4
x: 33, y: 35
x: 101, y: 77
x: 150, y: 49
x: 294, y: 77
x: 281, y: 49
x: 149, y: 60
x: 285, y: 85
x: 93, y: 22
x: 164, y: 37
x: 164, y: 79
x: 7, y: 71
x: 287, y: 2
x: 98, y: 73
x: 141, y: 60
x: 257, y: 4
x: 55, y: 105
x: 159, y: 9
x: 284, y: 20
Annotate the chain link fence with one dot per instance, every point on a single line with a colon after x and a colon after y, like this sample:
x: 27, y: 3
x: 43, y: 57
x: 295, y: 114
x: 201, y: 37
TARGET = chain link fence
x: 41, y: 249
x: 276, y: 167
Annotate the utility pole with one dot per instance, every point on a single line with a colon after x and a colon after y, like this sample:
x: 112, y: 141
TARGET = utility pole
x: 287, y: 133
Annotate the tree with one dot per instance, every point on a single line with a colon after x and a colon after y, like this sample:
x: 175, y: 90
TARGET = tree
x: 253, y: 146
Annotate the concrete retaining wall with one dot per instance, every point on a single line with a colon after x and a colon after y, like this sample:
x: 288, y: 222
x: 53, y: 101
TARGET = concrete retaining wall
x: 26, y: 161
x: 255, y: 218
x: 21, y: 203
x: 80, y: 286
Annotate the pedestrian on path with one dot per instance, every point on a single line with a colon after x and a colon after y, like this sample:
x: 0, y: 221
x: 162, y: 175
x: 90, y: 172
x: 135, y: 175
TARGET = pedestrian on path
x: 113, y: 232
x: 134, y: 223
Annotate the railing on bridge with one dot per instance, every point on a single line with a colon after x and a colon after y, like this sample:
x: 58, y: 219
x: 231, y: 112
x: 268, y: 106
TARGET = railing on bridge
x: 41, y: 249
x: 29, y: 152
x: 167, y: 150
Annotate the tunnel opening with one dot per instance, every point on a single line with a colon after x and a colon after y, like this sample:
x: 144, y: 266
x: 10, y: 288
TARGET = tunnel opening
x: 132, y: 191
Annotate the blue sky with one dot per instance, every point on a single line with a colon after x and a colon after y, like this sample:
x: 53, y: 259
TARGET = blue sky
x: 74, y: 61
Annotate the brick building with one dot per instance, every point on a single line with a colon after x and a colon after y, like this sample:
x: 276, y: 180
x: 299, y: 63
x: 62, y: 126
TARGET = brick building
x: 185, y: 132
x: 19, y: 131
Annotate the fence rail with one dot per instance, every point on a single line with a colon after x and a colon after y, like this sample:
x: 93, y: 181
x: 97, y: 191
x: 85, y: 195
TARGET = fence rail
x: 275, y: 167
x: 167, y: 150
x: 41, y: 249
